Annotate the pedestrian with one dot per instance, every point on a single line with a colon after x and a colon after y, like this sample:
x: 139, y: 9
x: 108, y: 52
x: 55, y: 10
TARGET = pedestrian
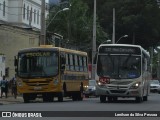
x: 4, y: 86
x: 13, y: 83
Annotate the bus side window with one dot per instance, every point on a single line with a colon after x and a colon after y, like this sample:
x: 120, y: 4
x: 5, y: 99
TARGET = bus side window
x: 71, y: 62
x: 80, y: 63
x: 85, y: 63
x: 67, y: 61
x: 76, y: 62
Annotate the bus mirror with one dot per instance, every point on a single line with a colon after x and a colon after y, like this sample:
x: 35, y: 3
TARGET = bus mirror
x: 15, y: 61
x: 63, y: 61
x: 16, y: 70
x: 62, y: 68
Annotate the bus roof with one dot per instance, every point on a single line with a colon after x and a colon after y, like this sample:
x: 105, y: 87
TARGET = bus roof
x: 129, y: 45
x: 50, y: 47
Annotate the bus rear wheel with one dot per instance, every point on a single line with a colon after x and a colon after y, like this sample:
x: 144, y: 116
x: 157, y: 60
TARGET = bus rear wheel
x: 102, y: 98
x: 60, y: 97
x: 80, y: 96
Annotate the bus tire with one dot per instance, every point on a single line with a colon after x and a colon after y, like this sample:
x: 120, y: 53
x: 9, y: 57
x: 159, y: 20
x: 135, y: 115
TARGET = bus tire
x: 110, y: 99
x: 80, y: 96
x: 139, y: 99
x: 102, y: 98
x: 26, y: 98
x: 115, y: 99
x: 60, y: 97
x: 145, y: 98
x: 74, y: 97
x: 47, y: 97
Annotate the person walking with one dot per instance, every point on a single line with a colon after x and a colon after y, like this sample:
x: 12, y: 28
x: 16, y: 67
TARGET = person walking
x: 14, y: 87
x: 4, y: 86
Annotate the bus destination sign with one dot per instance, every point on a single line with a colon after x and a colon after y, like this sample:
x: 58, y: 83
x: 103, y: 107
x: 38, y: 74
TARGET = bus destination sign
x: 119, y: 50
x: 37, y: 54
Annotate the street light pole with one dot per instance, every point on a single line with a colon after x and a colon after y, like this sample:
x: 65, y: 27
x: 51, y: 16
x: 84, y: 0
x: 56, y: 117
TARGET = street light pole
x: 121, y: 38
x: 158, y: 68
x: 43, y: 24
x: 94, y: 42
x: 64, y: 9
x: 113, y: 34
x: 107, y: 41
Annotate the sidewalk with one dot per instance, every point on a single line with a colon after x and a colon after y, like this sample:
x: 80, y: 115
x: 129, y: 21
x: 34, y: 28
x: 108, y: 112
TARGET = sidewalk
x: 10, y: 99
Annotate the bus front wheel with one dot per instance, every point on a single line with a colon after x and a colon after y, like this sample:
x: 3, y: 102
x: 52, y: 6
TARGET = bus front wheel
x: 26, y: 98
x: 139, y: 99
x: 145, y: 98
x: 60, y: 97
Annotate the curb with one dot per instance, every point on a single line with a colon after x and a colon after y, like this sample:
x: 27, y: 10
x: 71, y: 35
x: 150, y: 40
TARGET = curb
x: 10, y: 100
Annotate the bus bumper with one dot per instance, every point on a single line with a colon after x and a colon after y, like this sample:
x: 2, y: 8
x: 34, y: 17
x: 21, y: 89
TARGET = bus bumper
x: 119, y: 92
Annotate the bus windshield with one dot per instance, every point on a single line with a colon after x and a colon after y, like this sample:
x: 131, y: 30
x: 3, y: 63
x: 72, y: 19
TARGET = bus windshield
x: 38, y: 64
x: 119, y: 66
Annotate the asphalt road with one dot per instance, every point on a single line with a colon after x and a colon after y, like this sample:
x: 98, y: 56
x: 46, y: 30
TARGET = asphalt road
x: 87, y: 106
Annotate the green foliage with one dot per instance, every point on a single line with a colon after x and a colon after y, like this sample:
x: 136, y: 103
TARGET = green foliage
x: 76, y: 26
x: 137, y: 18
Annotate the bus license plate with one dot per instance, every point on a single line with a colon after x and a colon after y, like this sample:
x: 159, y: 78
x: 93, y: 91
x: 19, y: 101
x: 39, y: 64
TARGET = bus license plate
x: 37, y: 88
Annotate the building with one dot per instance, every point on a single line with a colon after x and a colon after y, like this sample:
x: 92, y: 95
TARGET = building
x: 22, y: 13
x: 20, y: 25
x: 2, y: 65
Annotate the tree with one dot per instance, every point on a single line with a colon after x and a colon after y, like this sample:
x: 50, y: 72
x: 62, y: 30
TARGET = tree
x: 137, y: 18
x: 76, y: 26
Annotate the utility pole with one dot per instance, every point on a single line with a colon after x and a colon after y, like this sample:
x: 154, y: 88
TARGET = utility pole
x: 151, y: 51
x: 43, y: 24
x: 94, y: 41
x: 113, y: 34
x: 158, y: 68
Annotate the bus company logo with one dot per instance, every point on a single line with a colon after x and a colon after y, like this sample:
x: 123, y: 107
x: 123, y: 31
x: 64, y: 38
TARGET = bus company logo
x: 6, y: 114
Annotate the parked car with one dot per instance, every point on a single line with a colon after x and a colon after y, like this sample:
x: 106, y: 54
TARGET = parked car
x: 158, y: 90
x: 91, y: 89
x: 154, y: 85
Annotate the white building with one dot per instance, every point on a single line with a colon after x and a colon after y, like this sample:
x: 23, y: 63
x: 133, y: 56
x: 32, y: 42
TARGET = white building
x: 23, y: 13
x: 2, y: 65
x: 15, y: 17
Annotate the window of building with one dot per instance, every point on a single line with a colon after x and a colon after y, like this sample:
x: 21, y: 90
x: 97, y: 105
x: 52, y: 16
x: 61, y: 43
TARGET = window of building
x: 4, y: 8
x: 31, y: 41
x: 38, y: 17
x: 0, y: 6
x: 34, y: 16
x: 24, y: 11
x: 27, y: 12
x: 30, y: 17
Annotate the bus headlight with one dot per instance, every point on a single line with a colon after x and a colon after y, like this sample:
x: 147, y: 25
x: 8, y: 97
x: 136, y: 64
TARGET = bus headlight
x: 86, y: 86
x: 135, y: 85
x: 19, y: 84
x: 99, y: 83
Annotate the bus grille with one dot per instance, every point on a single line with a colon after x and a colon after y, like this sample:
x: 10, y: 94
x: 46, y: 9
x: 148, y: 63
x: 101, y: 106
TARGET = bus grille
x: 37, y: 83
x: 117, y: 91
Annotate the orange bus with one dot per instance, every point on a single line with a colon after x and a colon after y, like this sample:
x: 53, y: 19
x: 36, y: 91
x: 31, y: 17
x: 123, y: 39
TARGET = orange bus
x: 51, y: 72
